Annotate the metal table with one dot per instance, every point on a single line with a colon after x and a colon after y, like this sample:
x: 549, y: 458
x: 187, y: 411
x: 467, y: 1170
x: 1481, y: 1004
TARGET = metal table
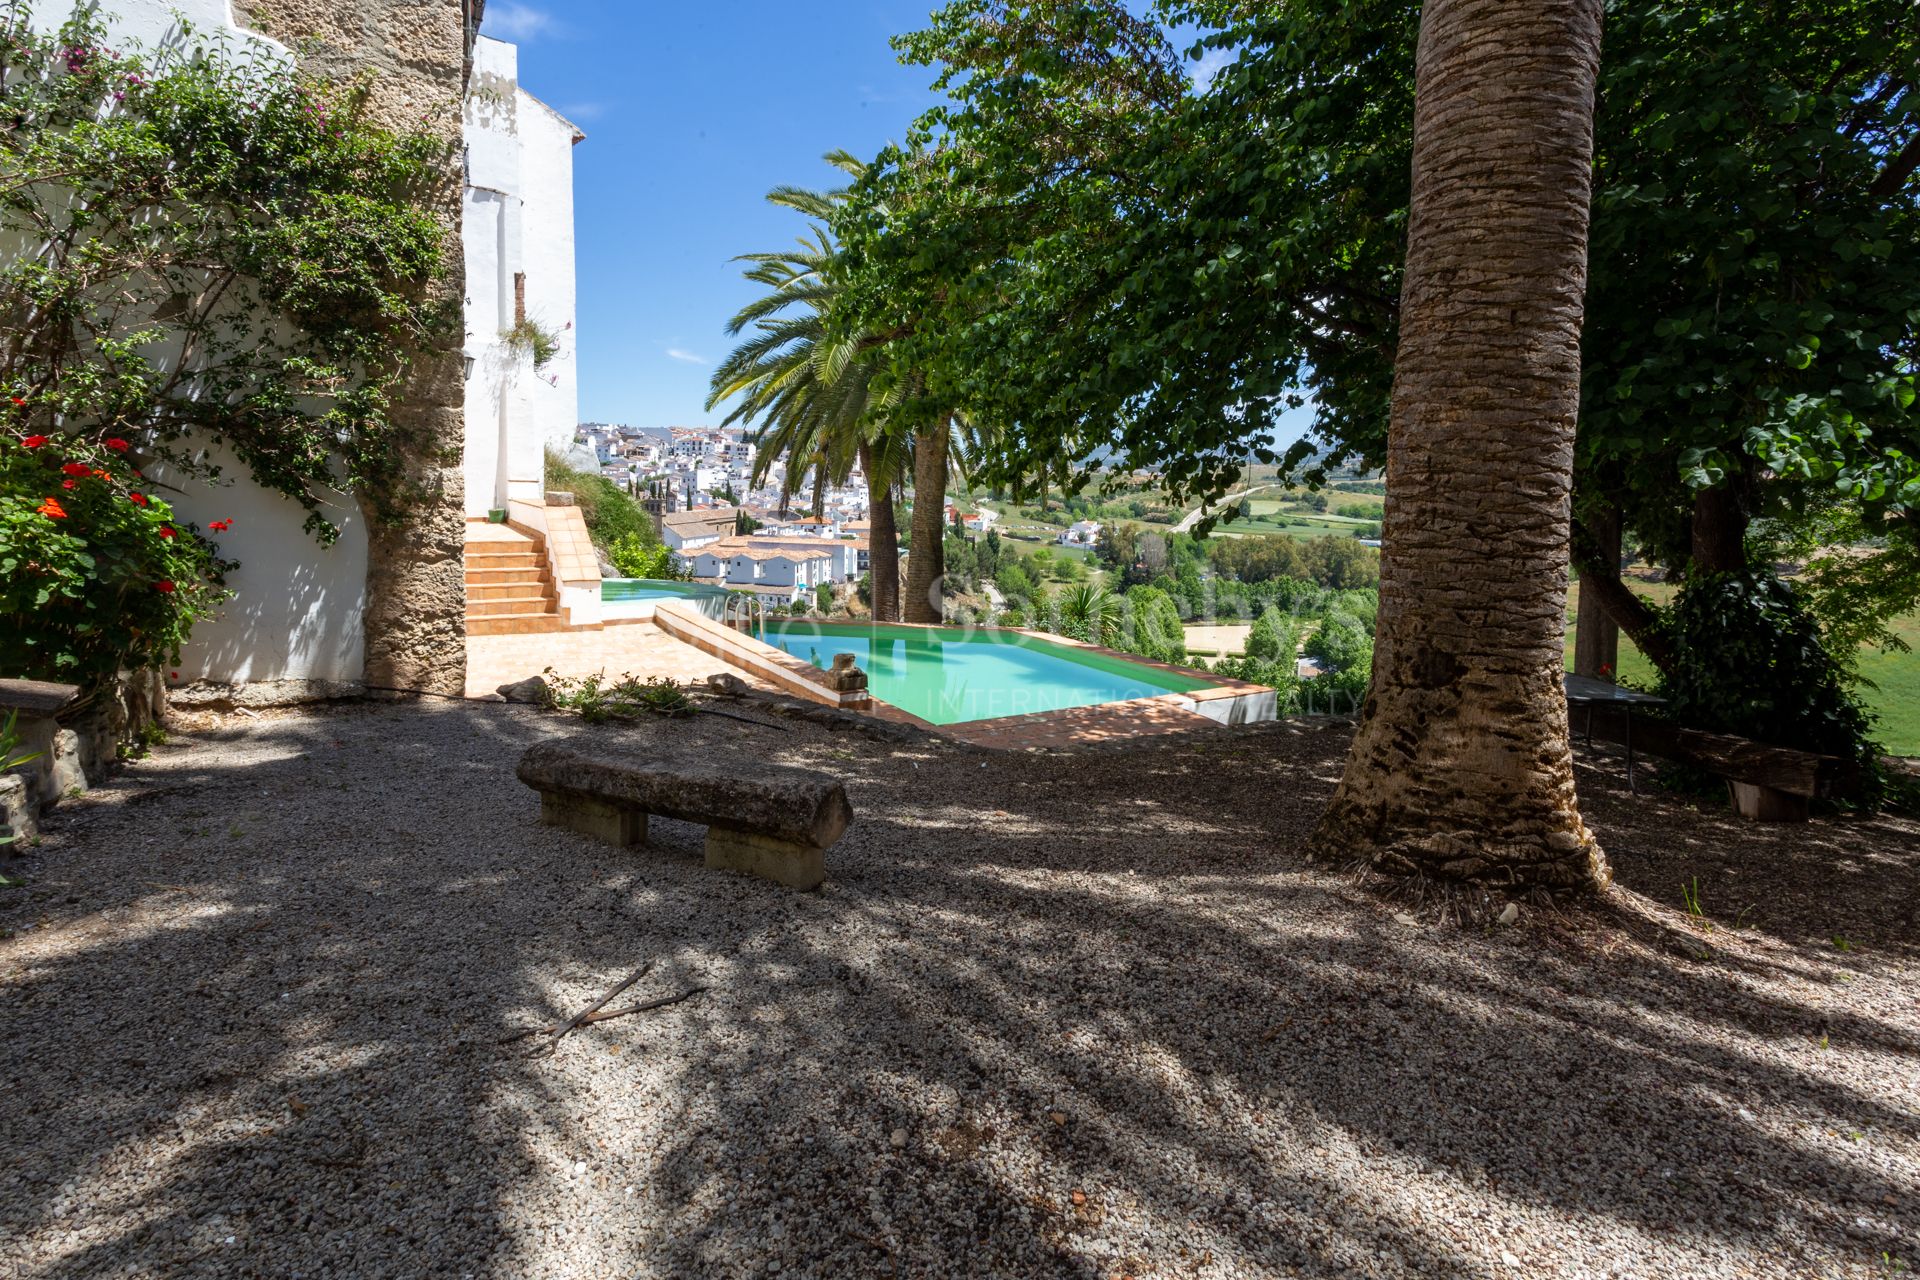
x: 1585, y: 691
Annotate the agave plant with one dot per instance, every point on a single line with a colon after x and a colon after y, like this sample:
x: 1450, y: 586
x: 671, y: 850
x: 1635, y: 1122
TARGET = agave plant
x: 1091, y: 613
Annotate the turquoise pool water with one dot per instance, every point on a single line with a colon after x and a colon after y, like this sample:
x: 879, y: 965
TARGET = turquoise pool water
x: 622, y: 590
x: 948, y: 675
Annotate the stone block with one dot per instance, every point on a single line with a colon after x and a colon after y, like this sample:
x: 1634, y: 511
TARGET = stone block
x: 17, y: 810
x: 798, y: 866
x: 613, y: 824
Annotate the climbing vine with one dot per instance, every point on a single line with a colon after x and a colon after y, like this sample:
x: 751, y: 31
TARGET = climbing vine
x: 203, y: 246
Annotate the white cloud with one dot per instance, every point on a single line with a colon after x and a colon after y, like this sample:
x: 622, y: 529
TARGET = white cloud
x: 684, y: 356
x: 517, y: 22
x: 1211, y: 64
x: 580, y: 112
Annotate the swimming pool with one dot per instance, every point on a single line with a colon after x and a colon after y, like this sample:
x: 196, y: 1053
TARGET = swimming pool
x: 622, y: 590
x: 629, y: 598
x: 948, y: 675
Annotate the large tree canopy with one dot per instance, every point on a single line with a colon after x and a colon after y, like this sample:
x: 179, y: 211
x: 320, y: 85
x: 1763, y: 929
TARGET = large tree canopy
x: 1110, y: 260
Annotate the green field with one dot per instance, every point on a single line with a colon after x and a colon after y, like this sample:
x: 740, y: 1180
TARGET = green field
x: 1895, y: 697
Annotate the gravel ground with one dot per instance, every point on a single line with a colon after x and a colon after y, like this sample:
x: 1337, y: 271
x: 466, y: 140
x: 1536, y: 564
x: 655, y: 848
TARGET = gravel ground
x: 1053, y: 1015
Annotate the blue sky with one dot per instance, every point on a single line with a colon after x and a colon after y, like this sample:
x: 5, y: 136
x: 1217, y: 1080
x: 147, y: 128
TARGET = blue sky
x: 692, y: 113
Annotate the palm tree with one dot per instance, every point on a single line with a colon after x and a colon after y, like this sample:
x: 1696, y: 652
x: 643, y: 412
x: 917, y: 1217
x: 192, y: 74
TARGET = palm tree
x: 1461, y: 767
x: 814, y: 395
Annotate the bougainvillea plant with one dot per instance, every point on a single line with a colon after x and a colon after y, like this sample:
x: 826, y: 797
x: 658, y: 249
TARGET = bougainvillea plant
x: 204, y: 254
x: 96, y: 574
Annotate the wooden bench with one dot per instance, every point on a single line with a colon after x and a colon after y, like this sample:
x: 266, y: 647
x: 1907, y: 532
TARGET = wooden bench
x: 772, y: 822
x: 1766, y: 783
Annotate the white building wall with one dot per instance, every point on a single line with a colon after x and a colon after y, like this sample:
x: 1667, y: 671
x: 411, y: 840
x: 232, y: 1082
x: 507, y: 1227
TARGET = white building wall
x: 546, y: 230
x: 298, y: 609
x: 517, y: 221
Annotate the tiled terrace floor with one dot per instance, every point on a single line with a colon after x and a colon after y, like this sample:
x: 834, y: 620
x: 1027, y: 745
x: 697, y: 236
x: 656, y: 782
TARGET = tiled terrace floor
x: 634, y: 648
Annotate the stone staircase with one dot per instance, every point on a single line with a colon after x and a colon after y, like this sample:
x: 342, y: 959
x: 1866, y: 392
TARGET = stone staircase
x: 510, y: 589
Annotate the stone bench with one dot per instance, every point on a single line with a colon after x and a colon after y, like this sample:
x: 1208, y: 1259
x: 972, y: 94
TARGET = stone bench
x: 767, y: 821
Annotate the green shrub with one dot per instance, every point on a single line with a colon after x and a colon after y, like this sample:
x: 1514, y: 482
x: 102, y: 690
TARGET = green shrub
x: 1751, y: 662
x: 1154, y: 629
x: 610, y: 514
x: 95, y: 573
x: 1275, y: 637
x: 635, y: 557
x: 1340, y: 643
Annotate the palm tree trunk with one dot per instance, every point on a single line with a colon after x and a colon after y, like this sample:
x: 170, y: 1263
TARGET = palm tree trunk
x: 820, y: 488
x: 926, y: 565
x: 1461, y: 767
x: 883, y: 541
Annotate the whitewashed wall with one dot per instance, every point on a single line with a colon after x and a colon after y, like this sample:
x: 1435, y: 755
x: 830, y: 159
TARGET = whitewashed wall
x: 518, y: 218
x: 546, y: 231
x: 297, y: 616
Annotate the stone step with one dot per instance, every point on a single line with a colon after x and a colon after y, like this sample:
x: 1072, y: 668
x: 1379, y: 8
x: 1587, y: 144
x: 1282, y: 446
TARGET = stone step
x: 511, y: 604
x: 520, y: 625
x: 517, y: 590
x: 483, y: 559
x: 521, y: 573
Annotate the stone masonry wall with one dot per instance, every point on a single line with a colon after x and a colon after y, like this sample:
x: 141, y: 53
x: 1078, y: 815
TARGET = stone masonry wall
x: 416, y: 593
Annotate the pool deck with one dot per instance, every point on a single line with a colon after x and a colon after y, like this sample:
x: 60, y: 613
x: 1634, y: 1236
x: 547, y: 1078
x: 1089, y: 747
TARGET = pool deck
x: 627, y: 648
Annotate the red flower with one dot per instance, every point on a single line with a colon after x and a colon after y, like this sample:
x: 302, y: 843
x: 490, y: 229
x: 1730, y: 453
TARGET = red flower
x: 18, y: 403
x: 51, y: 509
x: 118, y: 445
x: 66, y: 484
x: 139, y: 499
x: 220, y: 526
x: 77, y: 469
x: 173, y: 675
x: 164, y: 586
x: 33, y: 442
x: 165, y: 532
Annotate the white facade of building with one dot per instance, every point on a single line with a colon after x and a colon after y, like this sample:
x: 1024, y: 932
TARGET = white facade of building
x: 1083, y: 533
x: 297, y: 615
x: 780, y: 561
x: 517, y: 225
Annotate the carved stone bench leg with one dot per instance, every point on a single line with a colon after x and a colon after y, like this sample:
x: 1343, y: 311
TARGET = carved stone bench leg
x: 1765, y: 804
x: 594, y: 818
x: 798, y: 866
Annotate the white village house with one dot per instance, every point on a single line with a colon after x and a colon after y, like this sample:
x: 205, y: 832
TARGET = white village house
x: 688, y: 531
x: 1082, y: 533
x: 778, y: 570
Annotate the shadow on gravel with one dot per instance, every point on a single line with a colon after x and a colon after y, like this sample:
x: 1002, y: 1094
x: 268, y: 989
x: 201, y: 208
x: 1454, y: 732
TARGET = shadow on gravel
x: 1117, y: 1024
